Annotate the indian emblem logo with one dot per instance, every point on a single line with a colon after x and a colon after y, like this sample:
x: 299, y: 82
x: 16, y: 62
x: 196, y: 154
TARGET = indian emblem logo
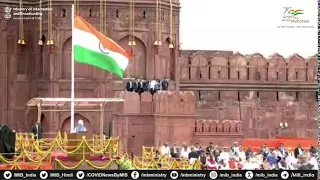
x: 102, y: 49
x: 7, y: 11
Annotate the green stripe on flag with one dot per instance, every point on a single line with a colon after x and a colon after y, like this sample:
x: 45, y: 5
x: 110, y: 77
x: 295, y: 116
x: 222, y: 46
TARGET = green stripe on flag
x: 99, y: 60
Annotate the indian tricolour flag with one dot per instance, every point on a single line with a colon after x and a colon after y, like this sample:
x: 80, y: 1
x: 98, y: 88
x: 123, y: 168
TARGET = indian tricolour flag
x: 93, y: 48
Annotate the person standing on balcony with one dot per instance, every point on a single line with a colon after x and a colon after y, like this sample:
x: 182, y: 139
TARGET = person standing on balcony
x: 145, y: 86
x: 139, y: 88
x: 164, y: 85
x: 152, y: 88
x: 129, y: 85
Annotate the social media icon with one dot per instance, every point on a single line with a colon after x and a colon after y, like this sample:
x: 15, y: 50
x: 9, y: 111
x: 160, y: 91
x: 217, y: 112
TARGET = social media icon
x: 174, y: 175
x: 213, y: 175
x: 43, y: 175
x: 7, y: 175
x: 80, y: 174
x: 249, y: 174
x: 135, y: 175
x: 284, y: 175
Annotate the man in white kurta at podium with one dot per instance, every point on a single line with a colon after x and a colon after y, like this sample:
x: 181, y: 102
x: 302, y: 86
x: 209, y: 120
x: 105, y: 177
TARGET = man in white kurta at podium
x: 80, y: 127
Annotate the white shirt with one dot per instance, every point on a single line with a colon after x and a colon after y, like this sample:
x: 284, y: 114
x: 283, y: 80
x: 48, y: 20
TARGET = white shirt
x: 224, y: 156
x: 236, y: 149
x: 249, y: 166
x: 242, y: 155
x: 237, y: 158
x: 281, y: 154
x: 185, y: 152
x: 37, y: 130
x: 192, y: 160
x: 314, y: 162
x: 165, y: 150
x: 153, y: 84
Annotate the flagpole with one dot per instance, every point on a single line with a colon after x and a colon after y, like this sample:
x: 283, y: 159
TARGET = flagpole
x: 72, y: 72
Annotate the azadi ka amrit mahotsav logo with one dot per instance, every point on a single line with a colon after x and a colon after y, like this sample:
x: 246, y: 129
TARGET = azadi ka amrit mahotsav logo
x: 293, y: 15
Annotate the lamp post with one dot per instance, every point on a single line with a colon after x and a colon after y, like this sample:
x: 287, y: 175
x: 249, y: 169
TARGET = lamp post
x: 283, y: 125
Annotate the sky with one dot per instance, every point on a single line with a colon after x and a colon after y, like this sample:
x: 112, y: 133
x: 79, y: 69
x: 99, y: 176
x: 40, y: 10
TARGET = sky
x: 249, y: 26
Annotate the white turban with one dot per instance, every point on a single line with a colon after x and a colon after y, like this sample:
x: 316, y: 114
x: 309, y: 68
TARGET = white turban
x: 80, y: 122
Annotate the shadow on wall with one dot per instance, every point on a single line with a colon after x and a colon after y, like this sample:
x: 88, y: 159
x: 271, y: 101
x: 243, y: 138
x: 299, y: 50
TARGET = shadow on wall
x: 66, y: 123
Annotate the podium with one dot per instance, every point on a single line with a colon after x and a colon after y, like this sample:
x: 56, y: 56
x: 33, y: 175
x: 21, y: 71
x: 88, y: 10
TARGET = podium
x: 74, y: 140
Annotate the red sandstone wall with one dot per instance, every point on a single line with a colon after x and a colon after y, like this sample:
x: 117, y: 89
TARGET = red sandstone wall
x: 152, y: 120
x: 259, y: 92
x: 34, y: 72
x: 225, y: 79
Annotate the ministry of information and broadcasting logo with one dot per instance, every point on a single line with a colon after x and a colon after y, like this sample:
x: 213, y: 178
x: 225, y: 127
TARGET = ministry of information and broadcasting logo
x: 7, y: 14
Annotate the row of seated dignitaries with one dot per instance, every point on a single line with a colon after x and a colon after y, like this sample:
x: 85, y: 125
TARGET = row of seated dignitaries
x: 140, y: 85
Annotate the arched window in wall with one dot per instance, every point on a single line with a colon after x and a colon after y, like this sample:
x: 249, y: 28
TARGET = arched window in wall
x: 287, y: 72
x: 228, y: 70
x: 144, y: 14
x: 117, y: 13
x: 189, y: 67
x: 63, y: 12
x: 248, y: 70
x: 267, y: 71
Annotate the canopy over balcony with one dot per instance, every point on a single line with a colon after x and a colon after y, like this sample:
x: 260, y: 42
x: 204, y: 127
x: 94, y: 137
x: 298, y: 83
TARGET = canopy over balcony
x: 64, y: 104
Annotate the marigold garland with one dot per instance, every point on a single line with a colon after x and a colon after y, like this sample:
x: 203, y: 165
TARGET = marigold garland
x: 26, y: 144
